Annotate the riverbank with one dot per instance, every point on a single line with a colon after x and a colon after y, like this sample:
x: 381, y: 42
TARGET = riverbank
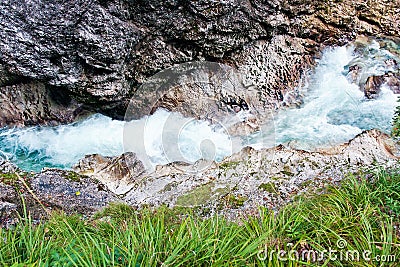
x: 234, y: 187
x: 358, y: 221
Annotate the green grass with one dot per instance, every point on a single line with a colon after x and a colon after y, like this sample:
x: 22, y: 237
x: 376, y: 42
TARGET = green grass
x: 363, y: 213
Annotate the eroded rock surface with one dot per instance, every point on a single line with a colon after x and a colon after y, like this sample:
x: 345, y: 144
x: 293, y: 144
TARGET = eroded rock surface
x: 71, y: 192
x: 34, y: 103
x: 267, y: 177
x: 372, y: 86
x: 117, y: 173
x: 8, y: 205
x: 50, y: 190
x: 100, y: 52
x: 234, y: 187
x: 59, y: 58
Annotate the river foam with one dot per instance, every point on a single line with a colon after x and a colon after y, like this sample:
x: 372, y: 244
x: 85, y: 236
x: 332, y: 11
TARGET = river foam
x: 334, y: 111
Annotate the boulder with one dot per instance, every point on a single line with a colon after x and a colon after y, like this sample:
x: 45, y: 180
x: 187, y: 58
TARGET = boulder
x: 372, y: 86
x: 50, y: 190
x: 119, y: 173
x: 70, y: 192
x: 33, y: 103
x: 267, y: 177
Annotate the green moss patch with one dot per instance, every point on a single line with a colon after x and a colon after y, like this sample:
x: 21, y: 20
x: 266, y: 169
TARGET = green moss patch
x: 235, y: 201
x: 73, y: 176
x: 268, y: 187
x: 229, y: 165
x: 201, y: 195
x: 8, y: 178
x: 196, y: 197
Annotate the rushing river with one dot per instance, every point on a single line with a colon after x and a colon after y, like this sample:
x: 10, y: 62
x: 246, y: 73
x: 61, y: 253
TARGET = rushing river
x: 334, y: 111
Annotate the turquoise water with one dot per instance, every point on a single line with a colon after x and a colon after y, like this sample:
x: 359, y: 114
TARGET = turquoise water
x: 62, y: 146
x: 334, y: 111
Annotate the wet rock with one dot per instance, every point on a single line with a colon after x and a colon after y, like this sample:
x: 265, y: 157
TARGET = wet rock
x: 385, y: 71
x: 274, y: 68
x: 354, y: 73
x: 34, y: 103
x: 392, y: 80
x: 202, y: 90
x: 117, y: 173
x: 71, y: 192
x: 372, y: 86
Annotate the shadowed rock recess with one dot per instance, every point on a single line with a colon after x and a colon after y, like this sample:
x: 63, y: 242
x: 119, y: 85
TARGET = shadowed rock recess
x: 60, y: 60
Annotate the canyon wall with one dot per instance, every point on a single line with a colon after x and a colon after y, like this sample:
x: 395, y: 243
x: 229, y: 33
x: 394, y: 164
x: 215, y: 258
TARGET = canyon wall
x: 92, y: 55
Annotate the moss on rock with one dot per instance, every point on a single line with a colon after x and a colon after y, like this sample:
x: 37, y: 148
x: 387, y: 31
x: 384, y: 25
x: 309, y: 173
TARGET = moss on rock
x: 268, y: 187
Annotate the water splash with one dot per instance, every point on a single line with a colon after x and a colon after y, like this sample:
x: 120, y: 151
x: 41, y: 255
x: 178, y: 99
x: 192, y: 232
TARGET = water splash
x: 166, y: 137
x: 62, y: 146
x: 334, y: 111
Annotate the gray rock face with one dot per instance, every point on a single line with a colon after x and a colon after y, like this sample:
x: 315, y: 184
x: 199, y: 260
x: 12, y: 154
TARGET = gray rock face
x: 34, y: 103
x: 47, y: 191
x: 267, y: 177
x: 71, y: 192
x: 61, y: 58
x: 99, y: 52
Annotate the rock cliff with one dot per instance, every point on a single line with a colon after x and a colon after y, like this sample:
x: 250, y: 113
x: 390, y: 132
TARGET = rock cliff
x: 96, y: 53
